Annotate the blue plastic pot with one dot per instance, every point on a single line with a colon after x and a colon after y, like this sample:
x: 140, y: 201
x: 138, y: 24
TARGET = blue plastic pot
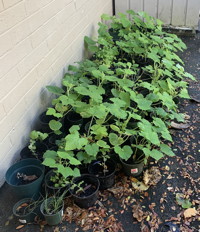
x: 27, y: 190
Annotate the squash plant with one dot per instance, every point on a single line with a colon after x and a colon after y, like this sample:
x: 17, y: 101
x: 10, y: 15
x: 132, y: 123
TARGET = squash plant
x: 127, y: 88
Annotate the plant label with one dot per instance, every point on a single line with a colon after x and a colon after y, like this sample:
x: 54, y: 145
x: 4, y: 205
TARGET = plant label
x: 22, y: 221
x: 134, y: 171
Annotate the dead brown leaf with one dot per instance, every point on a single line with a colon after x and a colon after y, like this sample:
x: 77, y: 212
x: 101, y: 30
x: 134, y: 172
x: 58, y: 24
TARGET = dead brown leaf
x: 179, y: 125
x: 152, y: 176
x: 19, y: 227
x: 190, y: 212
x: 138, y: 213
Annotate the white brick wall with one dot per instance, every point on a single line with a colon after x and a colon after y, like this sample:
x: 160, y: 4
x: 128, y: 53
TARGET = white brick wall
x: 38, y: 40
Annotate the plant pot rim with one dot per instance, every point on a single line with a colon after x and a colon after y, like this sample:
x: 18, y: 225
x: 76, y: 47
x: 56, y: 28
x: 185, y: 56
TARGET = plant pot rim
x: 48, y: 174
x: 70, y: 118
x: 48, y: 199
x: 90, y: 176
x: 18, y: 203
x: 110, y: 174
x: 26, y: 166
x: 128, y: 164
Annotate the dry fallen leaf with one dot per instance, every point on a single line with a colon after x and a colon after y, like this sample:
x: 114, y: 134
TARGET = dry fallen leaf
x: 19, y: 227
x: 190, y: 212
x: 138, y: 213
x: 140, y: 186
x: 30, y: 178
x: 194, y: 99
x: 179, y: 125
x: 152, y: 176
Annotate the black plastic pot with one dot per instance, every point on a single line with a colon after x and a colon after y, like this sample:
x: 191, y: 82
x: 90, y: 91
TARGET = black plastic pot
x: 50, y: 186
x: 87, y: 198
x: 74, y: 118
x: 25, y: 189
x: 132, y: 169
x: 25, y: 217
x: 55, y: 218
x: 106, y: 179
x: 40, y: 149
x: 53, y: 138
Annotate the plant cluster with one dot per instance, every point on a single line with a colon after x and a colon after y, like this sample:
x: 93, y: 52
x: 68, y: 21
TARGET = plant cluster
x: 126, y: 93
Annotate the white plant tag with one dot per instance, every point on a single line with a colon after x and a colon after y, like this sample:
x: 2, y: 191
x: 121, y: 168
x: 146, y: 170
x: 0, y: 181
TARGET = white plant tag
x: 22, y: 221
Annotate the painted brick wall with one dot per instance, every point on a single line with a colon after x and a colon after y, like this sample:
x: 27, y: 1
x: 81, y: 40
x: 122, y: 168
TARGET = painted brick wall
x: 38, y: 39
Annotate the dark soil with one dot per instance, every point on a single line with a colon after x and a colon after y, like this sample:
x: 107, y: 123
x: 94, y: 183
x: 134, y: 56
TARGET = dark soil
x: 124, y: 208
x: 86, y: 191
x: 24, y: 208
x: 98, y: 169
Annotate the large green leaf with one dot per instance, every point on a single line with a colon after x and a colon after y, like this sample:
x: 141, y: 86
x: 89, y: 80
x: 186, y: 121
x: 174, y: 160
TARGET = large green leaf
x: 147, y: 131
x: 156, y: 154
x: 50, y: 154
x: 50, y: 162
x: 114, y: 139
x: 92, y: 149
x: 162, y: 128
x: 55, y: 125
x: 166, y: 150
x: 65, y: 171
x: 124, y: 152
x: 54, y: 89
x: 103, y: 144
x: 52, y: 111
x: 99, y: 130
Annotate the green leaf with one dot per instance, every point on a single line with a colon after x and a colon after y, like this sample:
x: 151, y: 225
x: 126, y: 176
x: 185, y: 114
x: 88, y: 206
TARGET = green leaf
x: 64, y: 154
x: 185, y: 203
x: 92, y: 149
x: 144, y: 104
x: 76, y: 172
x: 89, y: 41
x: 66, y: 100
x: 55, y: 125
x: 73, y: 142
x: 147, y: 131
x: 34, y: 135
x: 65, y: 171
x: 50, y: 162
x: 189, y: 76
x: 50, y: 154
x: 73, y: 161
x: 106, y: 17
x: 152, y: 153
x: 54, y: 89
x: 114, y: 139
x: 115, y: 128
x: 74, y: 129
x: 103, y: 144
x: 184, y: 94
x: 166, y: 150
x: 52, y: 111
x: 116, y: 110
x: 99, y: 130
x: 125, y: 152
x: 162, y: 128
x: 156, y: 154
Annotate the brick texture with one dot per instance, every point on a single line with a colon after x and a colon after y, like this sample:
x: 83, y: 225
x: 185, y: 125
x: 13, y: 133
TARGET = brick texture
x: 38, y: 40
